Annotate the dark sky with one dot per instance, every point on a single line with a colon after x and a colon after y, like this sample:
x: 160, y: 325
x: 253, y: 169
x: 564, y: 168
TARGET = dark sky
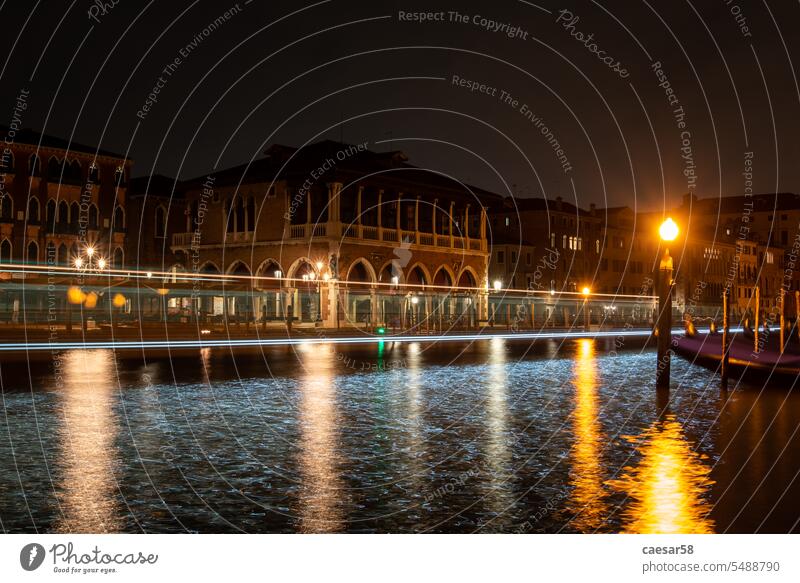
x: 289, y: 72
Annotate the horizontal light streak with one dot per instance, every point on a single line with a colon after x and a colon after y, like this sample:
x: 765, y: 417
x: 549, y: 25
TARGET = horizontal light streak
x: 109, y: 273
x: 179, y: 344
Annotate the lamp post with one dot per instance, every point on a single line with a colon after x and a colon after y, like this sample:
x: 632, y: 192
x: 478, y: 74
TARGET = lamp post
x: 668, y: 232
x: 586, y: 291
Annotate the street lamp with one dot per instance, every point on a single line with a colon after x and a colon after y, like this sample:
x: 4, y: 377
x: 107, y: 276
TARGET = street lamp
x: 668, y: 232
x: 586, y: 291
x: 498, y: 285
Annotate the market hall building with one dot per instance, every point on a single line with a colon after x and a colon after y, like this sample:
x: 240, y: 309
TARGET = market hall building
x: 326, y: 233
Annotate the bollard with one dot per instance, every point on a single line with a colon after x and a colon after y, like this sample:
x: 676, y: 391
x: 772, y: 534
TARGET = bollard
x: 664, y: 325
x: 725, y: 336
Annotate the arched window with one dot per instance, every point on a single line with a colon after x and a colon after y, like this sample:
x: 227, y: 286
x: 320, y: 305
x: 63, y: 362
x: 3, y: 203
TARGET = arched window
x: 119, y: 219
x: 192, y: 221
x: 119, y: 176
x: 251, y: 214
x: 33, y: 252
x: 51, y: 215
x: 160, y: 221
x: 92, y: 216
x: 6, y: 161
x: 239, y: 215
x: 74, y: 172
x: 228, y: 218
x: 51, y: 257
x: 5, y: 251
x: 74, y: 216
x: 63, y: 254
x: 33, y: 210
x: 118, y: 258
x: 34, y: 165
x: 54, y: 169
x: 63, y: 214
x: 94, y: 174
x: 6, y: 206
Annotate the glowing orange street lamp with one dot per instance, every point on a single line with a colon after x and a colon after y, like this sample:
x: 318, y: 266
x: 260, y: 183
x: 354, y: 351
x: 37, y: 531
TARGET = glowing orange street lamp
x: 586, y: 291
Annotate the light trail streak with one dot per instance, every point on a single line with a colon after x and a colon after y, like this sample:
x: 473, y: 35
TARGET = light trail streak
x: 227, y: 343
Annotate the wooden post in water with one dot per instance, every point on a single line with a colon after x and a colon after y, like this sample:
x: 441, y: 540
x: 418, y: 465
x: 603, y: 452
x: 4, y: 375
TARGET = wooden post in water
x: 755, y: 327
x: 533, y: 315
x: 725, y: 336
x: 664, y: 323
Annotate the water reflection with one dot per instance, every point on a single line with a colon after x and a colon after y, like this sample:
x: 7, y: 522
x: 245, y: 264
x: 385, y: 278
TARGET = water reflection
x: 667, y: 488
x: 498, y: 454
x: 587, y: 499
x: 86, y: 441
x: 415, y: 447
x: 319, y: 464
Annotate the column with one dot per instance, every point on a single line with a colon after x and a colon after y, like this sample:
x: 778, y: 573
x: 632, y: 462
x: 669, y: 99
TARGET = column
x: 433, y: 214
x: 334, y: 209
x: 358, y: 211
x: 483, y: 228
x: 380, y: 215
x: 308, y: 208
x: 416, y: 221
x: 466, y: 222
x: 452, y: 207
x: 399, y: 222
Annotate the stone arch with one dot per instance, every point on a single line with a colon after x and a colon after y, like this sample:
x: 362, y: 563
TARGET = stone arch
x: 238, y: 267
x: 74, y: 215
x: 6, y: 206
x: 361, y: 271
x: 300, y: 266
x: 391, y: 268
x: 63, y: 213
x: 33, y: 252
x: 34, y: 165
x: 468, y: 277
x: 444, y: 276
x: 33, y: 209
x: 268, y: 268
x: 119, y: 219
x: 209, y: 267
x: 418, y: 274
x: 5, y: 251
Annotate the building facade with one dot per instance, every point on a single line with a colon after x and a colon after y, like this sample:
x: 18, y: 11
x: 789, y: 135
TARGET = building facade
x: 58, y: 198
x: 332, y: 220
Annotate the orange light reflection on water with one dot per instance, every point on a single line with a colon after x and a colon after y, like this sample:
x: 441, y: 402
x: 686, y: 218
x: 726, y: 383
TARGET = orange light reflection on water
x: 667, y: 486
x: 320, y: 487
x: 588, y: 496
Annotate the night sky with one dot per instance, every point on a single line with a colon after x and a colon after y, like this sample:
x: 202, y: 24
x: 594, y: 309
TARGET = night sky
x: 297, y: 72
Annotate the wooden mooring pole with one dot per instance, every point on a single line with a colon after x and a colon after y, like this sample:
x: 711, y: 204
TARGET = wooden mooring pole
x: 725, y: 337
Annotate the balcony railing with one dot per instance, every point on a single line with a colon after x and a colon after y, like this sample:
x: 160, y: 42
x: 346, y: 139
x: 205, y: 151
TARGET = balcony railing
x: 182, y: 239
x: 354, y: 232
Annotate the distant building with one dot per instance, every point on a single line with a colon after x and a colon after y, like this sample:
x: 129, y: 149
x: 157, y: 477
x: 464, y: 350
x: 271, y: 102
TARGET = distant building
x: 57, y: 198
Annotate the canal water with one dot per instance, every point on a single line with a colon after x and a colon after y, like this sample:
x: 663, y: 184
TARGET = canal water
x: 490, y: 436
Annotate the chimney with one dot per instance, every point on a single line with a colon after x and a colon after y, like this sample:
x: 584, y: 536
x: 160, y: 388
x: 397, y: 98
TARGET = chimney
x: 592, y: 209
x: 558, y: 203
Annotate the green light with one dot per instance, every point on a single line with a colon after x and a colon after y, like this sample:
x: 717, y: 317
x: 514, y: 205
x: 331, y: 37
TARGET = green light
x: 381, y: 330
